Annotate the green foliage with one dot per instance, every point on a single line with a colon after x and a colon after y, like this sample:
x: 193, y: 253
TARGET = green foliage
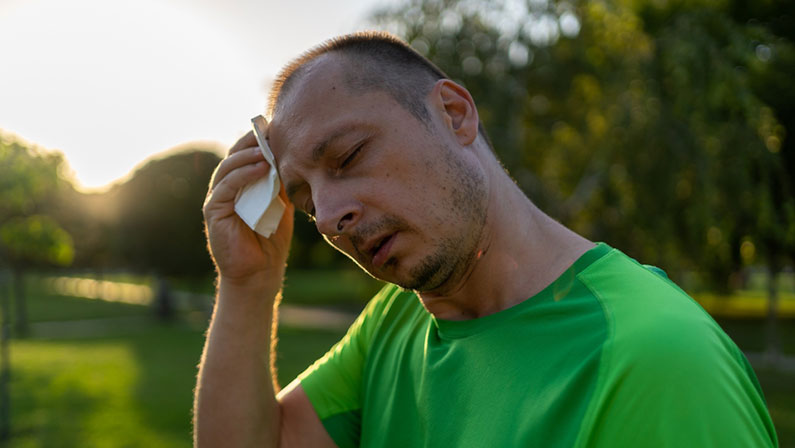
x: 29, y: 183
x: 159, y: 224
x: 27, y: 176
x: 36, y: 239
x: 151, y: 223
x: 639, y: 123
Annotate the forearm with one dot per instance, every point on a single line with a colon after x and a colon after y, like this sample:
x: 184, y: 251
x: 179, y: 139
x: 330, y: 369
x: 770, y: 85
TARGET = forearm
x: 235, y: 400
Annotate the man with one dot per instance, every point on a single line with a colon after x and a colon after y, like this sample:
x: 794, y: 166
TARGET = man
x: 511, y: 330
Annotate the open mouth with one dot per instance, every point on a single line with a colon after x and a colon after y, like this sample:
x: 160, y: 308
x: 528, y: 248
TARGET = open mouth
x: 380, y: 251
x: 380, y: 244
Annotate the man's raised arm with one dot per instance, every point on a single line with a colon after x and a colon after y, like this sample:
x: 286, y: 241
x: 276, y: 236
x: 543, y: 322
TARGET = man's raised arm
x: 235, y: 403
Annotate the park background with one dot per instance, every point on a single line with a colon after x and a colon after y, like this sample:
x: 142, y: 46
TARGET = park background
x: 662, y: 127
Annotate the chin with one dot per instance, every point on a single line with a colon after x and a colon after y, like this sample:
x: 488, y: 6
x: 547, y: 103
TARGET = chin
x: 393, y: 272
x: 429, y: 274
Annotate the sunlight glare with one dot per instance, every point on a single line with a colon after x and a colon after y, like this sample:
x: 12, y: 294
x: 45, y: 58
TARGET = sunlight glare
x: 110, y: 83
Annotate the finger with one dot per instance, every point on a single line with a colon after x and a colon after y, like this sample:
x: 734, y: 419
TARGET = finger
x: 245, y: 141
x: 227, y: 188
x: 235, y: 161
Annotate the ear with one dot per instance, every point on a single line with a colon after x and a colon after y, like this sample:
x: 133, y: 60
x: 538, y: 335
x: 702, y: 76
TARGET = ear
x: 458, y: 110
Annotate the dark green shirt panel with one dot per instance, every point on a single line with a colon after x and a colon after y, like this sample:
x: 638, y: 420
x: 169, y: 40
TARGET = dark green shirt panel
x: 344, y: 428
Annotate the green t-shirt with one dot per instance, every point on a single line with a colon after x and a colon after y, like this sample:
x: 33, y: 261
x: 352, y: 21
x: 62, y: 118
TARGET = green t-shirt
x: 611, y: 354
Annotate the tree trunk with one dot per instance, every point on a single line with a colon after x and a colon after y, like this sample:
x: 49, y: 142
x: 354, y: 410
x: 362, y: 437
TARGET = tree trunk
x: 164, y: 300
x: 773, y: 351
x: 20, y: 305
x: 5, y: 367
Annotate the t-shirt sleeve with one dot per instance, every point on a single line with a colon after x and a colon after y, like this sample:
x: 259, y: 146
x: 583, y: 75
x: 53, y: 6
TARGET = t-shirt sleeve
x: 671, y: 377
x: 334, y: 382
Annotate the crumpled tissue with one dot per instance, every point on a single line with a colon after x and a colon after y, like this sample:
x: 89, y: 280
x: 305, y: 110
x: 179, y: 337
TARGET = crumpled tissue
x: 258, y: 203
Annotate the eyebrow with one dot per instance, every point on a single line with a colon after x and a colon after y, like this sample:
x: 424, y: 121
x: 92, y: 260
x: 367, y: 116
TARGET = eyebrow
x: 318, y: 151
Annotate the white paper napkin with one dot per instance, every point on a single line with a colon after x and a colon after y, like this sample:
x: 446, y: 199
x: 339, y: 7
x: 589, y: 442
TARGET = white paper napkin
x: 258, y: 203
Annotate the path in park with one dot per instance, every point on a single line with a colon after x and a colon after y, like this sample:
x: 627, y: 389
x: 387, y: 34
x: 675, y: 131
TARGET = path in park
x: 195, y: 305
x: 289, y: 315
x: 196, y: 308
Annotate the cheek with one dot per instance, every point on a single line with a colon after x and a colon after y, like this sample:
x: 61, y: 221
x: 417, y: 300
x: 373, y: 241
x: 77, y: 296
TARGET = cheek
x: 406, y: 185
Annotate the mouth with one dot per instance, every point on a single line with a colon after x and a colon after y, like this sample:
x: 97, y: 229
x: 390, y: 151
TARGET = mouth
x: 380, y: 250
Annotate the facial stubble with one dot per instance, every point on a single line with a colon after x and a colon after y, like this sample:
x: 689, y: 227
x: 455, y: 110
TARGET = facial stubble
x: 454, y: 253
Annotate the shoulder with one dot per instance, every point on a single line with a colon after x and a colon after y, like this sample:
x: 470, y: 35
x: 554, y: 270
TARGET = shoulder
x: 641, y: 300
x: 666, y: 367
x: 651, y: 322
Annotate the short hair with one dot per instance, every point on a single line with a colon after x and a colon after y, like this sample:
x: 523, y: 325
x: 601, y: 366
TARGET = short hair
x: 379, y: 61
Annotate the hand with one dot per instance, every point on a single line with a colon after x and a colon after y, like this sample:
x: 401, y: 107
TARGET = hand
x: 240, y: 254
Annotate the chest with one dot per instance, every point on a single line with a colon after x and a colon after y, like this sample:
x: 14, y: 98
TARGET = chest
x: 525, y: 383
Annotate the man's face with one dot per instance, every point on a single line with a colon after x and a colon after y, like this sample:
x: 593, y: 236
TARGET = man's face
x: 399, y: 198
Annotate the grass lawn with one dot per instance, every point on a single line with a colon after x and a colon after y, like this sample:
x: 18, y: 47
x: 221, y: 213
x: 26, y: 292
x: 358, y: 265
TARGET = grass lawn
x: 131, y: 385
x: 123, y: 390
x: 119, y: 378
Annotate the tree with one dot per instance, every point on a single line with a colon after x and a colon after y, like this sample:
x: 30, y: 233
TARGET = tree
x: 29, y: 238
x: 159, y: 226
x: 659, y: 126
x: 635, y: 122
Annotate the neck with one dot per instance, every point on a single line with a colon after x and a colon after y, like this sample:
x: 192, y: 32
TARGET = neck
x: 521, y: 251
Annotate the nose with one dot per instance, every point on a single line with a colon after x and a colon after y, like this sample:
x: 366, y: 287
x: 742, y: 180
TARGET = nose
x: 336, y: 211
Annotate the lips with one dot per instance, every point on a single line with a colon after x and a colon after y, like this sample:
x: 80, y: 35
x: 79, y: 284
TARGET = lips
x: 380, y: 249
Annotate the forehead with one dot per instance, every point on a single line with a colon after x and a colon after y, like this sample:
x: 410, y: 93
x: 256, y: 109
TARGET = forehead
x: 317, y: 106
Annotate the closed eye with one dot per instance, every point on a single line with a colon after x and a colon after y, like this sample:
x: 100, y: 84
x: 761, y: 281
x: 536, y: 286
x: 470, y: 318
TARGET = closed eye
x: 352, y: 156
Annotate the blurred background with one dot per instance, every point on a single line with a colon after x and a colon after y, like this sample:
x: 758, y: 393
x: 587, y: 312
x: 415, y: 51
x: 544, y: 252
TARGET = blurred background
x: 663, y: 127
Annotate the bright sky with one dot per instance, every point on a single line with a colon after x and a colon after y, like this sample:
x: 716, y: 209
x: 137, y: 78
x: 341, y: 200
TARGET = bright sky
x: 112, y: 82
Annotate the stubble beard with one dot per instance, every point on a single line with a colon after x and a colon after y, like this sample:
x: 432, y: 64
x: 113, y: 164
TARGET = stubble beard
x: 437, y: 265
x: 454, y: 254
